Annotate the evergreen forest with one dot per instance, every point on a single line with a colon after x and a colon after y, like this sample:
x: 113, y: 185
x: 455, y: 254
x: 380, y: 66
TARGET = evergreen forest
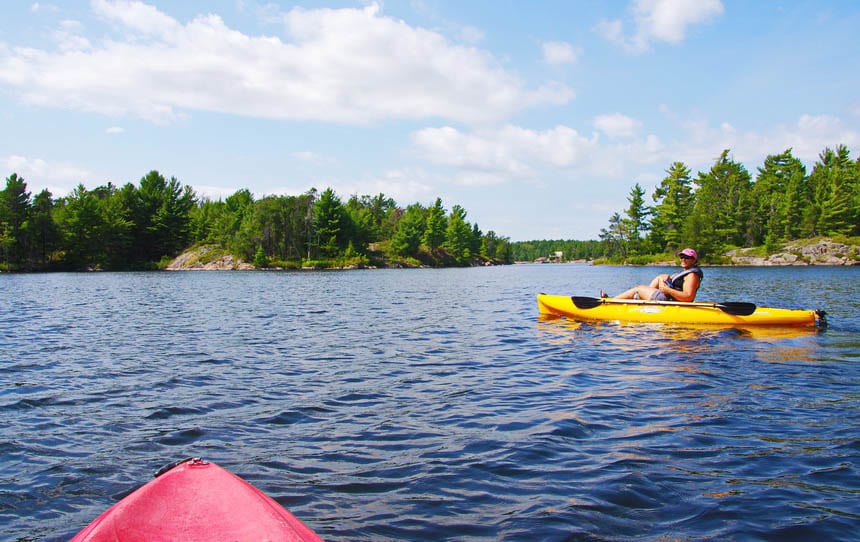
x: 145, y: 226
x: 725, y: 208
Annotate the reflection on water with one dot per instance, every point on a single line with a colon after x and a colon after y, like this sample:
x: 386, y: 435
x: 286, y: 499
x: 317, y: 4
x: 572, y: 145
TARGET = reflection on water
x: 733, y: 406
x: 773, y: 343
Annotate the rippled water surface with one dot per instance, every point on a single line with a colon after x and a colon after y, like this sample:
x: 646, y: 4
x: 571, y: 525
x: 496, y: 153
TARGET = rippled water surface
x: 434, y: 404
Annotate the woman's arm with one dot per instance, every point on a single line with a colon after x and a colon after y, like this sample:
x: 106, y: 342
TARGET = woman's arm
x: 659, y: 279
x: 691, y: 285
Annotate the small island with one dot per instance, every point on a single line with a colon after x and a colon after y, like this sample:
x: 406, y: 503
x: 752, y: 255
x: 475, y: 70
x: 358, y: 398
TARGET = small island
x: 161, y: 224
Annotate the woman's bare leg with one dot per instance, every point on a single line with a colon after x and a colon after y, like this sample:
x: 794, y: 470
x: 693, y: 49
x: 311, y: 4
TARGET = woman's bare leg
x: 658, y: 280
x: 643, y: 291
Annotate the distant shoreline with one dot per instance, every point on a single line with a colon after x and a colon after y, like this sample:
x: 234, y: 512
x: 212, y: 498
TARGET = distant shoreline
x: 823, y: 252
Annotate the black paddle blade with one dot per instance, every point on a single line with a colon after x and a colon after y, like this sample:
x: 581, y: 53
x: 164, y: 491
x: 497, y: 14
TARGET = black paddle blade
x: 586, y: 302
x: 736, y: 308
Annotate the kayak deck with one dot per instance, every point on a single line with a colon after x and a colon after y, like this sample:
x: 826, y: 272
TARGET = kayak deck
x: 196, y: 500
x: 674, y: 312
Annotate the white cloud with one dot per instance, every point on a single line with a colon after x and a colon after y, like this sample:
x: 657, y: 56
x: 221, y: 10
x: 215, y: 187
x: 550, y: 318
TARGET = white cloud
x: 560, y: 52
x: 499, y: 155
x: 135, y: 15
x: 660, y: 20
x: 807, y: 138
x: 667, y: 20
x: 214, y: 193
x: 336, y: 65
x: 616, y: 125
x: 115, y: 130
x: 700, y: 142
x: 513, y: 154
x: 59, y: 178
x: 403, y: 185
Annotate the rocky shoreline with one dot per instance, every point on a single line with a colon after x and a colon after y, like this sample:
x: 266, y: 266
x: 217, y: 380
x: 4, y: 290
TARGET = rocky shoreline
x: 202, y: 259
x: 821, y: 252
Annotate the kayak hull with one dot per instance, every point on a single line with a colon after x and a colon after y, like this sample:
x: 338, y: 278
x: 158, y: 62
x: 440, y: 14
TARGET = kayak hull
x: 634, y: 310
x: 196, y: 500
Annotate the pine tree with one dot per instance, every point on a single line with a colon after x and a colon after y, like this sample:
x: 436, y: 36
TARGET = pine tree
x: 674, y: 199
x: 637, y: 219
x: 329, y: 221
x: 777, y: 195
x: 434, y: 232
x: 409, y: 231
x: 14, y: 212
x: 835, y: 183
x: 721, y: 211
x: 458, y: 236
x: 44, y: 232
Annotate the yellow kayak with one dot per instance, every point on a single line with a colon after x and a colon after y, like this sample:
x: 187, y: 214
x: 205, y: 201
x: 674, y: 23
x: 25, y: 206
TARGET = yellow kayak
x: 675, y: 312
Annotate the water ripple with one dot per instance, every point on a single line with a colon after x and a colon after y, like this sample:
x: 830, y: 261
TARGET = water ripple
x: 431, y: 404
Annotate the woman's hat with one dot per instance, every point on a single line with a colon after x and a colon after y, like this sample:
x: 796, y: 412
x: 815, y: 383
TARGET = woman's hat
x: 689, y: 252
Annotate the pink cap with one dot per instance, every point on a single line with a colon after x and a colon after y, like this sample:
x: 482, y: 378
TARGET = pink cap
x: 689, y: 252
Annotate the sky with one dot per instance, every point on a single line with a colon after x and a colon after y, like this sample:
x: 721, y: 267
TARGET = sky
x: 537, y: 117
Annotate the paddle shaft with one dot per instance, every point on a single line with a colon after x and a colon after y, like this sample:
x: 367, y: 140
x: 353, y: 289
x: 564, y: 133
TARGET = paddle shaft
x: 730, y: 307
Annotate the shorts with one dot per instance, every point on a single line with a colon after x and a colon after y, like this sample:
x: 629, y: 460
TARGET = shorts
x: 660, y: 296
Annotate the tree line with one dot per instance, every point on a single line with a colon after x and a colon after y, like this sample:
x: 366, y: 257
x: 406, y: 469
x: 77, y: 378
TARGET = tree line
x: 144, y: 226
x: 726, y: 208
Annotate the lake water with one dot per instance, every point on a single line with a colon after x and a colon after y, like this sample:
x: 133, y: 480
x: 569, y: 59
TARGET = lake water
x: 434, y: 404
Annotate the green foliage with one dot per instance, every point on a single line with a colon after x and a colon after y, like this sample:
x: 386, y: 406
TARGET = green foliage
x: 285, y: 264
x: 496, y: 248
x: 614, y: 236
x: 14, y: 213
x: 778, y: 198
x: 722, y: 207
x: 81, y: 222
x: 44, y: 232
x: 834, y: 186
x: 210, y: 253
x: 636, y: 221
x: 674, y: 198
x: 260, y: 258
x: 330, y: 219
x: 727, y: 209
x: 370, y: 219
x: 458, y: 237
x: 409, y: 231
x: 436, y: 225
x: 645, y: 259
x: 160, y: 215
x: 145, y: 226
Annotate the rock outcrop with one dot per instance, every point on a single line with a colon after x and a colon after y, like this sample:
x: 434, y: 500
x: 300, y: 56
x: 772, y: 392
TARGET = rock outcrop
x: 203, y: 259
x: 823, y: 252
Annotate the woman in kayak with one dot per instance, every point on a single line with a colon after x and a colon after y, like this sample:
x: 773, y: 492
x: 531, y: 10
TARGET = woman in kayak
x: 681, y: 286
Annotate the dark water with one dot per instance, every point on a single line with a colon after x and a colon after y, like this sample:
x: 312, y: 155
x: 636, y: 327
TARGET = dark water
x: 434, y: 404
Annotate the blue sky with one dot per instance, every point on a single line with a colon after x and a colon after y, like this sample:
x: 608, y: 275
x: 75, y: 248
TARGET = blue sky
x: 537, y: 117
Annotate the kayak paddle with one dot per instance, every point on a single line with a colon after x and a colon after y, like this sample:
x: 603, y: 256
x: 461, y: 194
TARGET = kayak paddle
x: 730, y: 307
